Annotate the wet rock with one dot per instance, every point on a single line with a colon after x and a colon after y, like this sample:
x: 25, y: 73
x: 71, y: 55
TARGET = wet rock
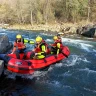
x: 79, y: 30
x: 67, y: 29
x: 70, y: 30
x: 5, y: 45
x: 1, y: 67
x: 88, y: 31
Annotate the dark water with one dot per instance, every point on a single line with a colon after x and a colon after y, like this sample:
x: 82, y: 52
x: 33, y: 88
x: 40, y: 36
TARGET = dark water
x: 74, y: 76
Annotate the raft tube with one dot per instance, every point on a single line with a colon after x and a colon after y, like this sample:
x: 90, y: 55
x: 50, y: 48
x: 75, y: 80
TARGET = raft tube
x: 28, y: 66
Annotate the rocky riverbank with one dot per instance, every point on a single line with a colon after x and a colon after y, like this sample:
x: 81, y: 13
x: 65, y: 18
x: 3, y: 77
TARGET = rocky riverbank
x: 63, y: 28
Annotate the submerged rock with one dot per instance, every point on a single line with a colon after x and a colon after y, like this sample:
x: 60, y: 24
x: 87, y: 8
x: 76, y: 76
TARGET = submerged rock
x: 5, y: 45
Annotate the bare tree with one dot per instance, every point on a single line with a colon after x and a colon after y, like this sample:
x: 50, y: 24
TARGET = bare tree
x: 88, y: 16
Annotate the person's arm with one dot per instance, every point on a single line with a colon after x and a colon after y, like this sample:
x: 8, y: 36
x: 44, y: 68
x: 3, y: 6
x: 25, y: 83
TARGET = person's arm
x: 28, y: 41
x: 43, y: 47
x: 24, y: 46
x: 58, y: 48
x: 14, y: 48
x: 31, y: 42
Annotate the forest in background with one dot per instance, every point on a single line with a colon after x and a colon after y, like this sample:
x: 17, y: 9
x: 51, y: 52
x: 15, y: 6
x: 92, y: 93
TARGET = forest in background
x: 46, y: 11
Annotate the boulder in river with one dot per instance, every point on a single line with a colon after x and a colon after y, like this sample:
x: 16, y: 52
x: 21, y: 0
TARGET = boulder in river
x: 5, y: 45
x: 87, y: 31
x: 90, y: 33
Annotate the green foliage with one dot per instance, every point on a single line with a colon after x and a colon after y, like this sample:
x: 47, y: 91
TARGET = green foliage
x: 46, y: 11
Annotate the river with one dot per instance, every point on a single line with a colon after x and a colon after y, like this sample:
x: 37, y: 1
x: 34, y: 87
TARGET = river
x: 73, y: 76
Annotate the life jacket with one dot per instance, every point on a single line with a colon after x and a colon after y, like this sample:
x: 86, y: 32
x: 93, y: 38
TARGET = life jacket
x: 55, y: 44
x: 59, y: 40
x: 47, y: 48
x: 39, y: 49
x: 19, y: 45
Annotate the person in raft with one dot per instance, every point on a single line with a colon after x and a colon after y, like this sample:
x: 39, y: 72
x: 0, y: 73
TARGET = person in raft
x: 57, y: 47
x: 41, y: 50
x: 59, y: 38
x: 18, y: 47
x: 19, y: 44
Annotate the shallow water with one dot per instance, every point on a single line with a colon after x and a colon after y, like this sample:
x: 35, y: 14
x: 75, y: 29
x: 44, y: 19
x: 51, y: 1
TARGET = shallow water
x: 74, y: 76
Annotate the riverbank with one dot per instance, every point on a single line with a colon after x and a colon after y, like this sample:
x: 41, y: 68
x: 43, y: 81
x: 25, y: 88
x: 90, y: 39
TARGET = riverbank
x: 63, y: 28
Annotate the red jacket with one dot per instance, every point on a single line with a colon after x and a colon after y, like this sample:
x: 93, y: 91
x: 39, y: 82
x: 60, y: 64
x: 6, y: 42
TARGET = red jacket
x: 39, y: 49
x: 47, y: 48
x: 55, y: 44
x: 19, y: 45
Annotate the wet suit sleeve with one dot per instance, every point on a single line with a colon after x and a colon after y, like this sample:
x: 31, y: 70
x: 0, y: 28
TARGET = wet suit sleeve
x: 31, y: 42
x: 28, y: 41
x: 58, y: 48
x: 43, y: 48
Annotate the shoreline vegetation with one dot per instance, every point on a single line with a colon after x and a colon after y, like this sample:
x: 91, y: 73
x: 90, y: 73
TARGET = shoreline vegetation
x: 48, y: 15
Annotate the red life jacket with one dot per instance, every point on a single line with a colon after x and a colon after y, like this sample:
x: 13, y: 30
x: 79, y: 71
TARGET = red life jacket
x: 47, y: 48
x: 43, y: 41
x: 39, y: 49
x: 59, y: 40
x: 19, y: 45
x: 55, y: 44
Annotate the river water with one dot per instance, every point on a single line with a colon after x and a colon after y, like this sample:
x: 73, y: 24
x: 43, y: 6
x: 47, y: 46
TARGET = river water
x: 74, y: 76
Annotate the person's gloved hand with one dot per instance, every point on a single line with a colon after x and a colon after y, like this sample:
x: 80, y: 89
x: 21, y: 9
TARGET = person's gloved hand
x: 36, y: 54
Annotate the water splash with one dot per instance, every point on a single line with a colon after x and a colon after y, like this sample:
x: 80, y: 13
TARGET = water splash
x: 59, y: 65
x: 94, y: 91
x: 88, y: 70
x: 86, y: 47
x: 48, y: 40
x: 54, y: 83
x: 72, y: 61
x: 79, y: 44
x: 85, y: 60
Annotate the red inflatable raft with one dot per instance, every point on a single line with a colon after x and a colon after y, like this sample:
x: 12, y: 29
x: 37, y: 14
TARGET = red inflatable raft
x: 27, y: 66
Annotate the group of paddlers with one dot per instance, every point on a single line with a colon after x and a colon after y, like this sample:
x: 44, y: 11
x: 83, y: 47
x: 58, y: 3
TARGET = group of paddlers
x: 41, y: 47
